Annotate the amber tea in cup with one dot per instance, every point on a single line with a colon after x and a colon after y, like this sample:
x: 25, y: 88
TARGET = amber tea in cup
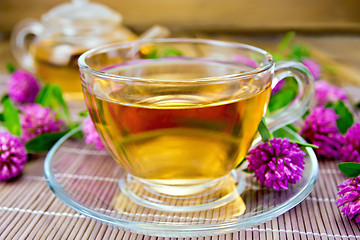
x: 180, y: 123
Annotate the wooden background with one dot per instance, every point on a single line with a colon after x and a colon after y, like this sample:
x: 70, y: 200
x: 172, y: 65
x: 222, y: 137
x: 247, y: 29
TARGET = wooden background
x: 211, y: 15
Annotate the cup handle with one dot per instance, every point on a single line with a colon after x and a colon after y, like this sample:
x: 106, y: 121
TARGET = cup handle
x: 302, y: 101
x: 18, y: 41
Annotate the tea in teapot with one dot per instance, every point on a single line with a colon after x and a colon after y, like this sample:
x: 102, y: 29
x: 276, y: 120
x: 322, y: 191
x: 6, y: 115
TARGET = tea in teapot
x: 63, y: 34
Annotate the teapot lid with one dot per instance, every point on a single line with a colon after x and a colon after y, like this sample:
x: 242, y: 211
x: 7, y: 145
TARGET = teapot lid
x: 80, y: 14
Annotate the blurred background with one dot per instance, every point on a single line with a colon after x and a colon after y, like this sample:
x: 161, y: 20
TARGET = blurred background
x: 237, y: 16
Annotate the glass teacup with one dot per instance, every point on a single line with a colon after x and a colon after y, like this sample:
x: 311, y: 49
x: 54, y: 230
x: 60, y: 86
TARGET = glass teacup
x: 180, y: 114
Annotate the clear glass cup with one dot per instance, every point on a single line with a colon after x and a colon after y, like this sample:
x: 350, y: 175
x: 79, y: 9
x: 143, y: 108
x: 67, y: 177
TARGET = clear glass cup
x: 180, y: 114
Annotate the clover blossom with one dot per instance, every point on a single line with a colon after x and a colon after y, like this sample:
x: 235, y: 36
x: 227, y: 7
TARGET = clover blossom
x: 325, y: 92
x: 36, y: 120
x: 350, y: 198
x: 276, y: 163
x: 320, y: 129
x: 22, y: 87
x: 13, y: 156
x: 350, y: 150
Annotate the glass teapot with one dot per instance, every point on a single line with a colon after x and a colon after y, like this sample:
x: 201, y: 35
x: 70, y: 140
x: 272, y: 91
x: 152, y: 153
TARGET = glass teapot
x: 63, y: 34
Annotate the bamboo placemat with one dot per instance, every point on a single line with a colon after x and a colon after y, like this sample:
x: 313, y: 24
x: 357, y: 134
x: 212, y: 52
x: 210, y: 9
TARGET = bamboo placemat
x: 29, y: 210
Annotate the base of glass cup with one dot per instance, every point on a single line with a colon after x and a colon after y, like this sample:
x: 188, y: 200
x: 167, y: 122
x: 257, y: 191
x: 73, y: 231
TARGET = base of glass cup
x: 173, y: 198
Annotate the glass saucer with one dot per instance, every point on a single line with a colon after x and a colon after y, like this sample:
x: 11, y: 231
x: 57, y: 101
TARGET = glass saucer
x: 88, y: 180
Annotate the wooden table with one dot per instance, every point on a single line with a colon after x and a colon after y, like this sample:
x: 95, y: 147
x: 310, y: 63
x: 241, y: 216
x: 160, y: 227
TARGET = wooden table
x: 29, y: 210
